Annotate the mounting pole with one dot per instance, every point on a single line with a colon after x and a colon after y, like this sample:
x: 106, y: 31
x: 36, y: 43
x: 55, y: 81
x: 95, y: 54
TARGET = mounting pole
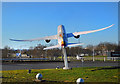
x: 93, y: 54
x: 65, y: 59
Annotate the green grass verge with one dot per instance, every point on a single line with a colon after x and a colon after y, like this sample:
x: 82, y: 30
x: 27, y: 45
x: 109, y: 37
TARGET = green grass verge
x: 92, y: 74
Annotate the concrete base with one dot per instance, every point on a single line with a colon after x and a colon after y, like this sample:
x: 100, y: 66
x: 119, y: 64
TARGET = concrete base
x: 66, y: 68
x: 36, y: 80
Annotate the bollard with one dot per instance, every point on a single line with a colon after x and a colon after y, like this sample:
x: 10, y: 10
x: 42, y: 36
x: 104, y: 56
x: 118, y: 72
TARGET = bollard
x: 29, y: 71
x: 57, y: 67
x: 39, y: 76
x: 79, y: 81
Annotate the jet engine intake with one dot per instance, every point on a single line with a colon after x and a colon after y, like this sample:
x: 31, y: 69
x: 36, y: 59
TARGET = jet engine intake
x: 77, y: 36
x: 47, y: 41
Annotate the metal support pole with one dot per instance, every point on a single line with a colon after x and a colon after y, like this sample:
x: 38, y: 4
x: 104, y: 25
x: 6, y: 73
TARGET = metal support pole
x: 54, y: 58
x: 20, y: 54
x: 93, y: 55
x: 114, y: 59
x: 104, y: 59
x: 46, y: 54
x: 65, y: 59
x: 82, y: 62
x: 62, y: 58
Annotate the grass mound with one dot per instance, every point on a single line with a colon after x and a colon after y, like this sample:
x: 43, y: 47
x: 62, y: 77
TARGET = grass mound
x: 92, y: 74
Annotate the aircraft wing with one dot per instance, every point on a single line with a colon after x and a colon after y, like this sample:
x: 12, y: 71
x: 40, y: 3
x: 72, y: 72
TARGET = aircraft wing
x: 38, y: 39
x: 86, y: 32
x: 74, y: 44
x: 51, y: 47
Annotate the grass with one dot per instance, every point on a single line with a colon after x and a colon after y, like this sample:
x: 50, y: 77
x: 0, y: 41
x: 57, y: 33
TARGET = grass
x: 92, y: 74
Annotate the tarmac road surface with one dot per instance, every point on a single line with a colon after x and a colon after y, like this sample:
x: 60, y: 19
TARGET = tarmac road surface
x: 53, y: 65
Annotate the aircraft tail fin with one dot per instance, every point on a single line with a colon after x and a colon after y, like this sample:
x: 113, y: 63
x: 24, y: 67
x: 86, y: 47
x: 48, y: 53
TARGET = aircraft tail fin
x: 51, y: 47
x: 74, y: 44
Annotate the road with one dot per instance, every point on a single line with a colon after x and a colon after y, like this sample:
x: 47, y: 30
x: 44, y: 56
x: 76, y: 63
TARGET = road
x: 50, y: 65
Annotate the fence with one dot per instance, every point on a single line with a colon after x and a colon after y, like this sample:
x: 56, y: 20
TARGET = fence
x: 87, y: 58
x: 61, y: 59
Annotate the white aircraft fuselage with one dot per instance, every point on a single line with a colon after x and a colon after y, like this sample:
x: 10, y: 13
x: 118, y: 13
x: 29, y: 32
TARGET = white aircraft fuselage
x: 62, y: 36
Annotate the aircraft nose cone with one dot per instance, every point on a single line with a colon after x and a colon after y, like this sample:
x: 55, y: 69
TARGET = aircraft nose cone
x: 60, y: 26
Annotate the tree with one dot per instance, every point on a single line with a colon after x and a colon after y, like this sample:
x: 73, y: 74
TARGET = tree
x: 105, y: 47
x: 5, y: 52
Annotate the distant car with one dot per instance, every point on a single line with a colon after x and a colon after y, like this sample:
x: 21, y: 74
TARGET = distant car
x: 79, y: 57
x: 18, y: 54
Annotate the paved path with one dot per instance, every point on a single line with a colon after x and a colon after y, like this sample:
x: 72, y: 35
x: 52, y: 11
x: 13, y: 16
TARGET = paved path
x: 48, y: 65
